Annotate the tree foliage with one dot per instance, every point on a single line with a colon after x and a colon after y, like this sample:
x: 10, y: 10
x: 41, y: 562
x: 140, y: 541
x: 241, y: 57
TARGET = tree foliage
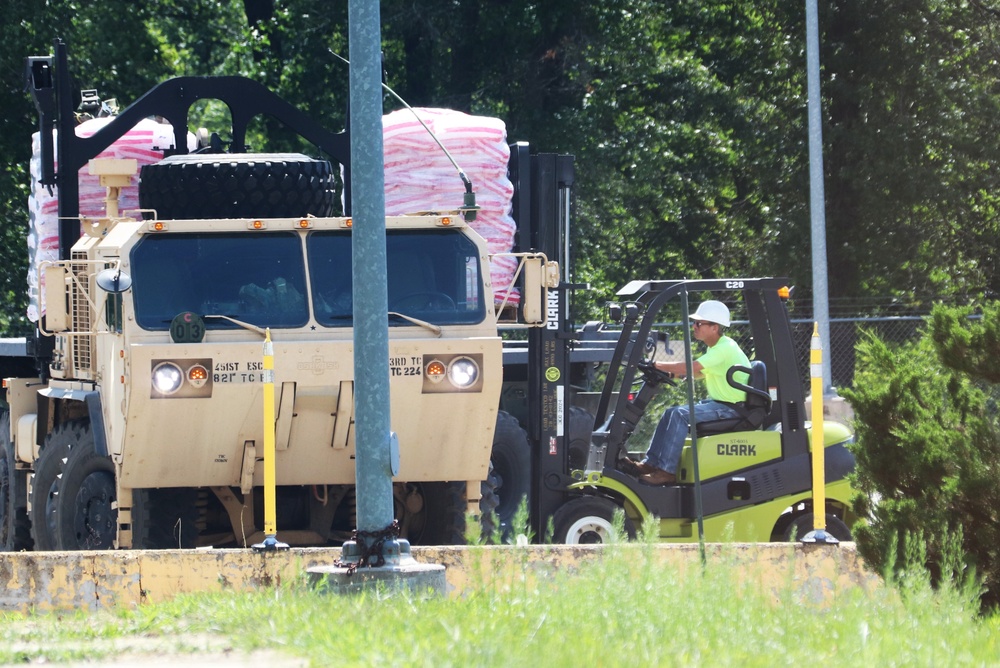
x: 913, y: 147
x: 687, y: 118
x: 928, y: 444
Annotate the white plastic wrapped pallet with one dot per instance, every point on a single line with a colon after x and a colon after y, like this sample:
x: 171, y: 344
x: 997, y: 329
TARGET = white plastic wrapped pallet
x: 144, y: 143
x: 420, y: 177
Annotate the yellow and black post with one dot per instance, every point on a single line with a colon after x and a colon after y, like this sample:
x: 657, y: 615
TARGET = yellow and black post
x: 819, y: 533
x: 270, y: 512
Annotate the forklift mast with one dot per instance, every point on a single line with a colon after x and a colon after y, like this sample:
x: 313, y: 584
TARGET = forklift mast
x: 542, y: 192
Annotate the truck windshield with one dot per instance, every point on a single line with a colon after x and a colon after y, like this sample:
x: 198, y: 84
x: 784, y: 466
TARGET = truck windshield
x: 257, y: 278
x: 432, y: 275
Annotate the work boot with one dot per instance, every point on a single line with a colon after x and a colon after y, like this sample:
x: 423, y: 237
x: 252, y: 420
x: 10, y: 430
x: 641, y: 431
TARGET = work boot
x: 657, y: 477
x: 631, y: 467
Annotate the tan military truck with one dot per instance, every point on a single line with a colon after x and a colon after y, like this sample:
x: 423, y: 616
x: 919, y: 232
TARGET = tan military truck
x: 144, y: 428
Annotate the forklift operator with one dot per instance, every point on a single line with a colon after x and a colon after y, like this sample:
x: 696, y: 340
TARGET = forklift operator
x: 664, y: 454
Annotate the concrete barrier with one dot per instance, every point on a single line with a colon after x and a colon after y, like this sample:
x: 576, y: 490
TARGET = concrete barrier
x: 46, y: 581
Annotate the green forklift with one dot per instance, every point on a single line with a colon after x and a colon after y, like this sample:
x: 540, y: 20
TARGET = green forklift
x: 746, y: 479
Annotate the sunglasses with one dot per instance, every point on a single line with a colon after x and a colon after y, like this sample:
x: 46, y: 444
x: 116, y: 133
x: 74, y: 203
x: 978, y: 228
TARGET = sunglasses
x: 701, y: 323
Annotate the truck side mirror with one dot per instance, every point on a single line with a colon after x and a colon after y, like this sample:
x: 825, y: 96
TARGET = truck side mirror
x: 114, y: 281
x: 56, y: 308
x: 539, y: 277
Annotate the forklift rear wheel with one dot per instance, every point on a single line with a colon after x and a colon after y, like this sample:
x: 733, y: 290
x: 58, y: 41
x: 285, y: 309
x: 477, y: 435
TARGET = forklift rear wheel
x: 803, y: 524
x: 588, y: 520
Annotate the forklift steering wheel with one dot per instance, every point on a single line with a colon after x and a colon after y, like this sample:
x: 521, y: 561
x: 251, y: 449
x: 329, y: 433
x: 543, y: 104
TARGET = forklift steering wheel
x: 653, y: 375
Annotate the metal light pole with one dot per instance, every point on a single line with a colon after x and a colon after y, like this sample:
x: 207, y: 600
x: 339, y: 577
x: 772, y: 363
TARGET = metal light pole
x: 371, y: 328
x: 385, y: 560
x: 821, y: 306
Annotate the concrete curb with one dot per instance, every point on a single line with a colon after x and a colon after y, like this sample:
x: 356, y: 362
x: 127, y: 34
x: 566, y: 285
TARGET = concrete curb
x: 46, y: 581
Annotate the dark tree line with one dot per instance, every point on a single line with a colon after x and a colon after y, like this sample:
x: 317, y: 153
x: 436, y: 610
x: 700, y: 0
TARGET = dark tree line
x: 688, y: 119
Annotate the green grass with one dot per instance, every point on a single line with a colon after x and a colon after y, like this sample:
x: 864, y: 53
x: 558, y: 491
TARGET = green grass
x: 624, y: 609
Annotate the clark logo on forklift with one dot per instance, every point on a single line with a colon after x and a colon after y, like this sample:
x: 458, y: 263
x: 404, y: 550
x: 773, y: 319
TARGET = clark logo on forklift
x: 737, y: 449
x: 552, y: 306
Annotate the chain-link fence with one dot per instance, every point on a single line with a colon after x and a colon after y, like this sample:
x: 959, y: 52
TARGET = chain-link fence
x: 844, y: 335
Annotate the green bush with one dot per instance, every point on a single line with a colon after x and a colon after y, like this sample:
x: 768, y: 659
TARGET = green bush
x: 927, y: 446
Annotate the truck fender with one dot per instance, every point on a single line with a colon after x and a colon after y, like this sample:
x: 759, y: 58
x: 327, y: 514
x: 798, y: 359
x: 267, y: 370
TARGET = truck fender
x: 93, y: 402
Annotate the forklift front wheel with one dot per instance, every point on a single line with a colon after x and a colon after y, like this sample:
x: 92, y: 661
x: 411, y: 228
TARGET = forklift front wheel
x: 588, y: 520
x: 803, y: 524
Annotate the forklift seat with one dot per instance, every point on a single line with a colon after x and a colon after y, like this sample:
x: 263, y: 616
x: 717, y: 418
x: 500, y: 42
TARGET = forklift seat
x: 753, y: 411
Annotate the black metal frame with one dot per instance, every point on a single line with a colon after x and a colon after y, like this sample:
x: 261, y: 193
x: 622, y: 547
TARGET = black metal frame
x: 49, y: 82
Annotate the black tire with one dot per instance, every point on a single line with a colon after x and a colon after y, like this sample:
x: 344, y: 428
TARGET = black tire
x: 443, y: 515
x: 15, y: 527
x: 803, y: 524
x: 164, y: 518
x: 86, y: 513
x: 587, y: 520
x: 46, y: 479
x: 511, y: 464
x: 580, y: 428
x: 237, y: 185
x: 488, y: 502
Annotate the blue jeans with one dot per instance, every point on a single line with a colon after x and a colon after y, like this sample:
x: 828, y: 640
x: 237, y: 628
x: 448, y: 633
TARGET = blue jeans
x: 668, y: 440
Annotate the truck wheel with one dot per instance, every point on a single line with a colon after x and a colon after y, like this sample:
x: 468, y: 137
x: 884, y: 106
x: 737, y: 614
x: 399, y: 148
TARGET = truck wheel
x: 45, y: 482
x: 15, y: 528
x: 86, y: 515
x: 511, y: 463
x: 237, y: 185
x: 488, y: 503
x: 164, y: 518
x: 443, y: 514
x: 587, y: 520
x: 803, y: 524
x: 579, y: 429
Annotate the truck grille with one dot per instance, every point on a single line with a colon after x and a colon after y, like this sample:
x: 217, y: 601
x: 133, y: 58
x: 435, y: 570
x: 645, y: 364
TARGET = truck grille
x: 80, y: 310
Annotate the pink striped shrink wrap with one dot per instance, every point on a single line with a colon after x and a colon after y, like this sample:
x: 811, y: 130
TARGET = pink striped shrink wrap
x: 419, y: 176
x: 141, y: 142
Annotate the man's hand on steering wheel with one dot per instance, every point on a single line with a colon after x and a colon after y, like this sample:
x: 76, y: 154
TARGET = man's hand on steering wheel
x: 653, y: 375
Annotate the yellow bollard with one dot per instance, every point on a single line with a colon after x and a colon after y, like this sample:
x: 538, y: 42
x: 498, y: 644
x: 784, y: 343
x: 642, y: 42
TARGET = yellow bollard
x: 819, y: 533
x: 818, y: 446
x: 270, y: 511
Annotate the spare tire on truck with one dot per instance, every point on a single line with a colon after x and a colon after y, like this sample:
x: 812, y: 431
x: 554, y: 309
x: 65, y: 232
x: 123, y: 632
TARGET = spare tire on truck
x: 237, y: 185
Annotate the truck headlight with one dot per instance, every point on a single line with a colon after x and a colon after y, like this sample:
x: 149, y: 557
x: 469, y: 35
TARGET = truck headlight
x: 197, y: 375
x: 435, y: 371
x: 183, y: 378
x: 167, y: 378
x: 463, y: 372
x: 446, y: 373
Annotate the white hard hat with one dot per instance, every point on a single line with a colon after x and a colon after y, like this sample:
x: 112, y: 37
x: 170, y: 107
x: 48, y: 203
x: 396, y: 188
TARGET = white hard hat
x: 712, y: 311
